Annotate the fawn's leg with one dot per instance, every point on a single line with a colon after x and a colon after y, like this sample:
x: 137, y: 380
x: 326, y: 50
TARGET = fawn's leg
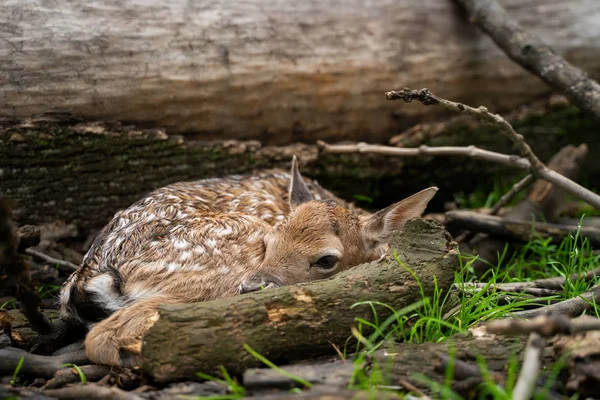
x: 117, y: 340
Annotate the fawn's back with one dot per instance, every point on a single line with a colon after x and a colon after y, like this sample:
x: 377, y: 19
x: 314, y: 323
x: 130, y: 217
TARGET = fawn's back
x: 194, y: 241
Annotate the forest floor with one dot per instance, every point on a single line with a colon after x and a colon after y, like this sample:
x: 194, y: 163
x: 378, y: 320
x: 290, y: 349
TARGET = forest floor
x: 440, y: 319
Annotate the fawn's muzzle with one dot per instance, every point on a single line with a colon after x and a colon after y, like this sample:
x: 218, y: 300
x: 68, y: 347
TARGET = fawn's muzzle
x: 259, y: 282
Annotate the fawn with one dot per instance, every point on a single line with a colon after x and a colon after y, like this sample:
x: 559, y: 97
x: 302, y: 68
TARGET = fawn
x: 213, y: 238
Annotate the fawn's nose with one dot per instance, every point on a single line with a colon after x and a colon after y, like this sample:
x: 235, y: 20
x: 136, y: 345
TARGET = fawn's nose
x: 257, y: 283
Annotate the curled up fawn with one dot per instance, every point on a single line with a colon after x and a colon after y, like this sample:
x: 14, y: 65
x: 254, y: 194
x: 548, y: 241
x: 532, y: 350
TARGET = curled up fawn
x: 214, y: 238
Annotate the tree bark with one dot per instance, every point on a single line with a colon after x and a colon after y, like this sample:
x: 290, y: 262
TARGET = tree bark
x: 300, y: 321
x: 269, y: 70
x: 82, y: 173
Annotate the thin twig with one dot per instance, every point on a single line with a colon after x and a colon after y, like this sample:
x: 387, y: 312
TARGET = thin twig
x: 544, y: 325
x: 65, y: 266
x: 534, y: 55
x: 556, y: 283
x: 532, y: 362
x: 508, y: 196
x: 537, y: 168
x: 469, y: 151
x: 570, y: 308
x: 412, y: 388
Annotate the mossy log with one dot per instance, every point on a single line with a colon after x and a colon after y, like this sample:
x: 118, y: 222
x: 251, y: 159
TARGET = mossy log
x: 270, y: 70
x: 82, y: 172
x: 299, y: 321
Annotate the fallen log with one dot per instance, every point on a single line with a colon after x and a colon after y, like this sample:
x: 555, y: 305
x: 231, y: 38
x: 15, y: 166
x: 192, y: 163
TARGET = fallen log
x: 42, y: 161
x: 300, y: 321
x: 269, y: 70
x: 520, y: 231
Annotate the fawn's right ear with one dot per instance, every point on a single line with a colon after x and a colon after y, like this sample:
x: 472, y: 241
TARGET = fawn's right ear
x: 298, y: 192
x: 383, y: 223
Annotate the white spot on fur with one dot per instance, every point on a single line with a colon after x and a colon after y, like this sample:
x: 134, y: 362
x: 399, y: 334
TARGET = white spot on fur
x: 223, y: 269
x: 180, y: 244
x: 199, y: 250
x: 173, y: 266
x: 220, y: 232
x: 185, y: 255
x: 211, y: 243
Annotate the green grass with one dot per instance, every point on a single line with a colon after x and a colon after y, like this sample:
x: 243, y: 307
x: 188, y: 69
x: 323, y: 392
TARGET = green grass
x: 82, y: 376
x: 47, y: 290
x: 236, y: 390
x: 487, y: 197
x: 426, y: 321
x: 9, y: 304
x: 13, y: 381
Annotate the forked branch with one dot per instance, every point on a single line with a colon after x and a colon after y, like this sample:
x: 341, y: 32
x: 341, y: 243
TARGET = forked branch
x: 537, y: 168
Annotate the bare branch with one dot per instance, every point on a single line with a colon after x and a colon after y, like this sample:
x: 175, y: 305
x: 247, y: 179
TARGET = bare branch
x: 65, y: 266
x: 544, y: 325
x: 532, y: 362
x: 508, y: 196
x: 570, y: 308
x: 470, y: 151
x: 537, y: 168
x: 534, y: 55
x: 556, y: 283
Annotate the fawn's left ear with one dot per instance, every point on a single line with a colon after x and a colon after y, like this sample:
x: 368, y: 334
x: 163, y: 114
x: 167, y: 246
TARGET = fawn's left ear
x: 380, y: 225
x: 298, y: 192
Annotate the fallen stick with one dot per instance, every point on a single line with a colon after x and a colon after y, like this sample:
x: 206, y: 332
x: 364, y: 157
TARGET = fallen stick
x: 65, y: 376
x: 570, y: 308
x: 533, y: 55
x: 521, y: 231
x: 536, y: 167
x: 554, y: 284
x: 469, y: 151
x: 299, y: 321
x: 532, y: 363
x: 35, y: 365
x: 92, y: 391
x: 544, y: 325
x: 64, y: 266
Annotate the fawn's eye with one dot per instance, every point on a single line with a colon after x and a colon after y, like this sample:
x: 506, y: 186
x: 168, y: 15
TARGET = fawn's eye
x: 327, y: 262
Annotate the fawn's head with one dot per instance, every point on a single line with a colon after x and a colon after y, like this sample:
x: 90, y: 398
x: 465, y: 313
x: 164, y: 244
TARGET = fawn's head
x: 321, y: 238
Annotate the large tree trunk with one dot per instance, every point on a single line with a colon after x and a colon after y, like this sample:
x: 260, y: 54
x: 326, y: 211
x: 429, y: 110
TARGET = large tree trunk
x: 273, y: 70
x: 300, y: 321
x: 83, y: 173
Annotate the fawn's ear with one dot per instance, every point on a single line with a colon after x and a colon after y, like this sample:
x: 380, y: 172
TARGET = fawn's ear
x: 299, y: 192
x: 380, y: 225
